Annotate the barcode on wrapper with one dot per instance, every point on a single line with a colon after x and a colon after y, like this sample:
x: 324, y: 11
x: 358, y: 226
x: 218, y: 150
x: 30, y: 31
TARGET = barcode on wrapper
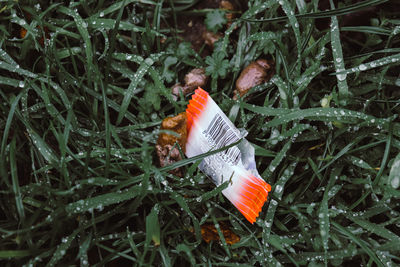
x: 221, y: 134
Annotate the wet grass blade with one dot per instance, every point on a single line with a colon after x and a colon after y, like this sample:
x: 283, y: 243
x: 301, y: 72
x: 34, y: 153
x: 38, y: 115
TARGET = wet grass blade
x: 14, y: 254
x: 132, y: 87
x: 394, y: 175
x: 338, y: 59
x: 62, y: 248
x: 359, y: 242
x: 392, y: 60
x: 102, y: 201
x: 84, y: 93
x: 15, y: 182
x: 328, y: 13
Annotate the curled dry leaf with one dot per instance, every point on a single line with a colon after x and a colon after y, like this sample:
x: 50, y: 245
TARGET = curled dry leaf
x: 210, y: 233
x: 165, y: 149
x: 23, y: 31
x: 176, y: 90
x: 195, y: 78
x: 210, y: 38
x: 176, y: 124
x: 255, y: 73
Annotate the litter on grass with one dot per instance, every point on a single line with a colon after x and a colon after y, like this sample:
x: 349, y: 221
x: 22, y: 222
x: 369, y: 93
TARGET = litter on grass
x: 210, y: 129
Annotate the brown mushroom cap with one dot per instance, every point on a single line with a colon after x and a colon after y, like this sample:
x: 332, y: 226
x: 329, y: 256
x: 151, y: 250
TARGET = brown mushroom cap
x: 254, y: 74
x: 196, y: 78
x: 193, y: 79
x: 264, y: 63
x: 176, y: 90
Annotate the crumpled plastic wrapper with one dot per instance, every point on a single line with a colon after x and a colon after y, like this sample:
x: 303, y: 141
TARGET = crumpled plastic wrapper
x: 210, y: 129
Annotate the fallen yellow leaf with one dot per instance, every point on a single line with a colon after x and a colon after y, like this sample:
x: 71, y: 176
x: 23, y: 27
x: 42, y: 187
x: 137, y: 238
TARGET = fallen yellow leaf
x: 210, y: 233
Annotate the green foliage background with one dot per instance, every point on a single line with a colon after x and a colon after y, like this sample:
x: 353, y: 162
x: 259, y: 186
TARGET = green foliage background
x: 80, y: 112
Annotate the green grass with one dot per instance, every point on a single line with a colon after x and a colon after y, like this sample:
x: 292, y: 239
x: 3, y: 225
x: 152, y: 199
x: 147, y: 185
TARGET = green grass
x: 79, y: 118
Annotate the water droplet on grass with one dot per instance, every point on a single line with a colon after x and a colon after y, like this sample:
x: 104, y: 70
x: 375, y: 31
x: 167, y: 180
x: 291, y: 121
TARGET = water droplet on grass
x: 278, y: 189
x: 341, y: 77
x: 271, y: 168
x: 362, y: 67
x: 395, y: 182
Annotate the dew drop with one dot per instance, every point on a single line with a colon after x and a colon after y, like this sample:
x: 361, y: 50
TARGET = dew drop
x: 271, y: 168
x: 397, y: 82
x: 278, y: 189
x: 395, y: 182
x: 362, y: 67
x: 341, y: 77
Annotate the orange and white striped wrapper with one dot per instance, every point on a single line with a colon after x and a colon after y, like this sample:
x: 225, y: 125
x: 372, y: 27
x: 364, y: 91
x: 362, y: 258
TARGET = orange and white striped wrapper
x: 210, y: 129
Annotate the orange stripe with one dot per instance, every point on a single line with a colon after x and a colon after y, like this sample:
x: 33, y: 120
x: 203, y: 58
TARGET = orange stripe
x: 248, y: 213
x: 200, y: 97
x: 248, y: 210
x: 196, y: 106
x: 251, y: 219
x: 256, y: 188
x: 201, y: 92
x: 254, y: 194
x: 252, y: 197
x: 248, y: 201
x: 259, y: 181
x: 249, y: 207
